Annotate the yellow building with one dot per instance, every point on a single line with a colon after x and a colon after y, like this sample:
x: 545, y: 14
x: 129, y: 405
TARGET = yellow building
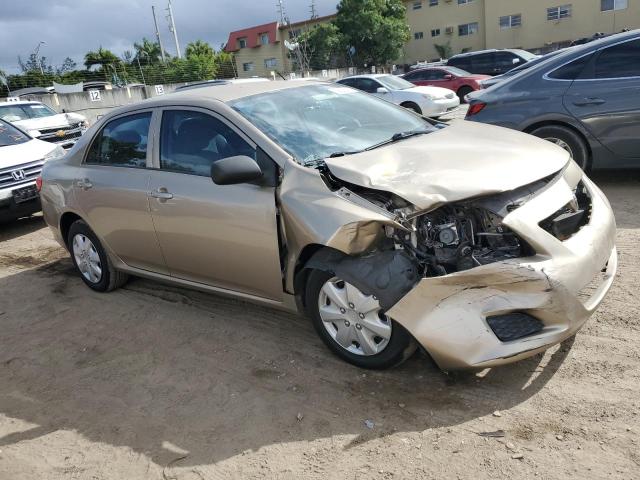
x: 529, y: 24
x: 465, y: 25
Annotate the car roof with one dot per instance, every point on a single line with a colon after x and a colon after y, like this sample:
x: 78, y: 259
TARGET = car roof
x: 369, y: 75
x: 232, y: 91
x: 20, y: 102
x: 490, y: 50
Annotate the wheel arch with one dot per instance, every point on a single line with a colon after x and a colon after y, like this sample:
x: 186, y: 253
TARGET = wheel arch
x: 301, y: 273
x: 411, y: 104
x: 559, y: 123
x: 66, y: 220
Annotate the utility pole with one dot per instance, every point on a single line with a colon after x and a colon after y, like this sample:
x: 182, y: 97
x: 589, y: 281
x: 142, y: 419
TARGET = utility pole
x: 314, y: 13
x: 281, y: 12
x: 172, y: 28
x: 155, y: 22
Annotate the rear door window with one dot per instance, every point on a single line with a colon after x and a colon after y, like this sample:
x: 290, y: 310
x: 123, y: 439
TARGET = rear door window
x: 122, y: 142
x: 619, y: 61
x: 483, y: 63
x: 192, y: 141
x: 504, y: 61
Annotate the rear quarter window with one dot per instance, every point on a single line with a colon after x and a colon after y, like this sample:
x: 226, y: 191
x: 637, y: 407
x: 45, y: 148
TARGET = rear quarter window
x: 571, y: 70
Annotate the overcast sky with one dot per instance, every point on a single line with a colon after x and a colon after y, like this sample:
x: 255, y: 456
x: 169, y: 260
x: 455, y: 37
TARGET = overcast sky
x: 72, y: 27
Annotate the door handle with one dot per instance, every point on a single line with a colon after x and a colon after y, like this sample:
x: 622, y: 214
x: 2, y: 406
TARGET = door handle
x: 161, y: 194
x: 589, y: 101
x: 84, y: 184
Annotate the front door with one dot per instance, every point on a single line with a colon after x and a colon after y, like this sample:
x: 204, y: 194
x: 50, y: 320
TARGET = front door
x: 111, y: 189
x: 223, y: 236
x: 606, y: 99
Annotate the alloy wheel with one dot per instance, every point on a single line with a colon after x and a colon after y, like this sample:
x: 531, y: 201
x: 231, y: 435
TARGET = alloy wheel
x: 87, y: 258
x: 355, y: 321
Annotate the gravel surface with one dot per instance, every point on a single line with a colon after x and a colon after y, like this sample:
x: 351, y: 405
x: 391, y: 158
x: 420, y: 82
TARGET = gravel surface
x: 159, y: 382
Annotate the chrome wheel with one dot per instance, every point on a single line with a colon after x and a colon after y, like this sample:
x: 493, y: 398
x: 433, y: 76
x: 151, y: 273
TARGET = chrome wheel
x: 87, y: 258
x: 355, y: 321
x: 561, y: 143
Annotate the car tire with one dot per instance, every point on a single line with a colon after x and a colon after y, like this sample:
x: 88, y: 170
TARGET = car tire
x: 412, y: 106
x: 567, y: 139
x: 398, y: 347
x: 463, y: 92
x: 91, y: 260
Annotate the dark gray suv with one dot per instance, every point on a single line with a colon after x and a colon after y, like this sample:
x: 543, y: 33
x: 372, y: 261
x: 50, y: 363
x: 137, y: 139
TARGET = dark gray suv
x: 587, y: 100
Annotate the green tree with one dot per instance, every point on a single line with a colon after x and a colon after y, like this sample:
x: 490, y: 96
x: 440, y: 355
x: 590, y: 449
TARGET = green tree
x: 199, y: 49
x: 376, y: 29
x: 444, y: 50
x: 148, y: 51
x: 323, y: 42
x: 101, y: 57
x: 68, y: 65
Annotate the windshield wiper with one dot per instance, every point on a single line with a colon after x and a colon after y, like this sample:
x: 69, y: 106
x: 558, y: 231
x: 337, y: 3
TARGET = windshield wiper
x: 344, y: 154
x: 397, y: 137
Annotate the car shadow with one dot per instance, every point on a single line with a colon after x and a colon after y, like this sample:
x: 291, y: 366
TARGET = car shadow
x: 622, y: 188
x: 18, y: 228
x: 188, y: 378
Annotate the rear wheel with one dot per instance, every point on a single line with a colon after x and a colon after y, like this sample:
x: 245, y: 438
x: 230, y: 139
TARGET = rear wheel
x: 463, y: 92
x: 91, y: 260
x: 353, y: 325
x: 412, y: 106
x: 568, y: 140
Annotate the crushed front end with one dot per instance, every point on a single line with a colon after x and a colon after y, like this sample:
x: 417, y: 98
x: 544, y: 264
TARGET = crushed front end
x: 507, y: 276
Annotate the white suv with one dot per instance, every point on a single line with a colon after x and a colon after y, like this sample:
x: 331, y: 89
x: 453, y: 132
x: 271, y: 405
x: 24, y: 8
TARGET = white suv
x: 44, y: 123
x: 21, y: 161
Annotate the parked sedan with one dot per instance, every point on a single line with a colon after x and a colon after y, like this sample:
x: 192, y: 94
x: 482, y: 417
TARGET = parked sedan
x: 388, y: 229
x: 460, y: 81
x: 491, y: 81
x: 428, y: 101
x: 586, y: 100
x: 491, y: 62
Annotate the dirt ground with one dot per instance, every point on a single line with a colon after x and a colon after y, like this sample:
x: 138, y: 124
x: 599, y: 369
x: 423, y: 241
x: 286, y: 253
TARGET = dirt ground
x: 164, y: 383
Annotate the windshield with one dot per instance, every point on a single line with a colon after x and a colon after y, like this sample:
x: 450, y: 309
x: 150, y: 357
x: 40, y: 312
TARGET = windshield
x: 394, y: 83
x: 317, y: 121
x: 10, y: 135
x: 25, y: 111
x: 458, y: 72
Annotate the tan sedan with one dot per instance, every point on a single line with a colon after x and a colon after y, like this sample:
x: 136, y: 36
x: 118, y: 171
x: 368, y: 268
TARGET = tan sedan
x: 479, y: 244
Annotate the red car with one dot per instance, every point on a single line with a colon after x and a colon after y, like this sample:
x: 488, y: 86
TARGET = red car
x: 460, y: 81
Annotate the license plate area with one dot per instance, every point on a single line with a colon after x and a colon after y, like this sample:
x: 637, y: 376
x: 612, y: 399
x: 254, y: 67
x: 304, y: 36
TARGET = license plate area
x: 24, y: 194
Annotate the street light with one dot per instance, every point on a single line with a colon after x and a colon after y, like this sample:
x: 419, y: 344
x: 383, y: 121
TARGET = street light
x: 37, y: 51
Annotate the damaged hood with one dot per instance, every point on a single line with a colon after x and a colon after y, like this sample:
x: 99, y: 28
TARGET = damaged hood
x: 461, y: 161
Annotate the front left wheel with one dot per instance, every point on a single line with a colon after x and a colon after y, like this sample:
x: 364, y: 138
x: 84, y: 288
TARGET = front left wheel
x: 353, y: 325
x: 91, y: 260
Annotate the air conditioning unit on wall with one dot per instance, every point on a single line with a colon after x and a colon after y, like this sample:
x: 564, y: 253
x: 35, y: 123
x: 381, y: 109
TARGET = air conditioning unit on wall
x: 449, y: 30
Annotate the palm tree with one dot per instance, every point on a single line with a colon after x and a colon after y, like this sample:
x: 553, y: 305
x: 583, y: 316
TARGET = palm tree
x: 199, y: 49
x: 101, y: 57
x: 148, y: 50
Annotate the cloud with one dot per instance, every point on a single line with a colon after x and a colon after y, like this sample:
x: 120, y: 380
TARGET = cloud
x: 71, y: 28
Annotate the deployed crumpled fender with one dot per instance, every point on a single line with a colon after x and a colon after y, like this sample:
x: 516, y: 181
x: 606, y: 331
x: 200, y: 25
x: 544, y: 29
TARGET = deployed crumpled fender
x: 312, y: 214
x: 388, y: 275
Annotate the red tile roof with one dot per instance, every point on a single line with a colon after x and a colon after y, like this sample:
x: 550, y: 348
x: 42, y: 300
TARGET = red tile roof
x: 252, y: 35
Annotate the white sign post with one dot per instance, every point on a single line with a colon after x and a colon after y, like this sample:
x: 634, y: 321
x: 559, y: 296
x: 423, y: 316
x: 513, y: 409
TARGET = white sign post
x: 325, y: 73
x: 13, y: 99
x: 159, y: 89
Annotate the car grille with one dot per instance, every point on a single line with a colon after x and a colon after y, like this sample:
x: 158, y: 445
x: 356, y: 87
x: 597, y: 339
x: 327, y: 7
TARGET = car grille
x: 61, y: 134
x: 514, y: 326
x: 567, y: 221
x: 29, y: 170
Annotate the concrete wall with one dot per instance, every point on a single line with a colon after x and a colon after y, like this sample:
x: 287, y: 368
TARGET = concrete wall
x: 109, y: 99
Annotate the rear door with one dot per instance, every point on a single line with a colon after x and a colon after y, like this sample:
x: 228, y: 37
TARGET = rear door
x: 606, y: 98
x: 223, y: 236
x: 111, y: 188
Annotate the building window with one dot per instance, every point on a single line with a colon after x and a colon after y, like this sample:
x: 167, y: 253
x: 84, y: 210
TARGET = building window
x: 467, y: 28
x: 510, y: 21
x: 248, y: 67
x: 556, y: 13
x: 433, y: 3
x: 435, y: 32
x: 464, y: 2
x: 264, y: 39
x: 242, y: 42
x: 417, y: 5
x: 418, y: 35
x: 608, y: 5
x: 271, y: 62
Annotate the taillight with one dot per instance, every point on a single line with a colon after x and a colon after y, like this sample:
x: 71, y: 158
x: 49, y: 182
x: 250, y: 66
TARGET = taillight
x: 39, y: 183
x: 475, y: 108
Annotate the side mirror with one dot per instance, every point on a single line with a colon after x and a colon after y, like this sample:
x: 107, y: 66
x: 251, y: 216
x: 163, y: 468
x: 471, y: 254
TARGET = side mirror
x: 448, y: 76
x: 382, y: 90
x: 516, y: 61
x: 235, y: 170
